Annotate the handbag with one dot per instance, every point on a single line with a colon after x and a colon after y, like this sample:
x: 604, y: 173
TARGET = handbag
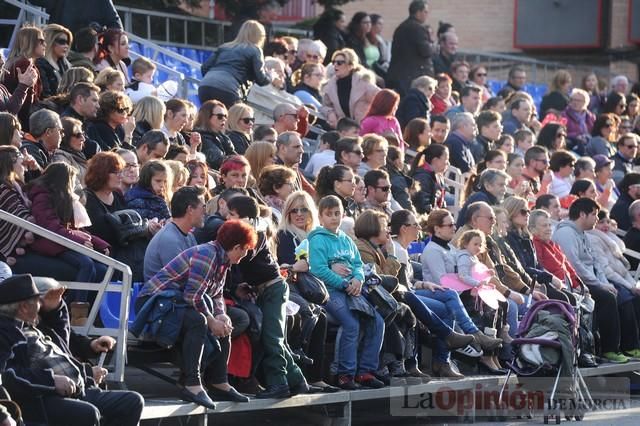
x: 127, y: 225
x: 310, y: 287
x: 380, y: 298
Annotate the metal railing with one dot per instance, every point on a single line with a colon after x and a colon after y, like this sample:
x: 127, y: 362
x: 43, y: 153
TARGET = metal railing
x: 172, y: 29
x: 28, y: 14
x: 184, y: 82
x: 120, y: 334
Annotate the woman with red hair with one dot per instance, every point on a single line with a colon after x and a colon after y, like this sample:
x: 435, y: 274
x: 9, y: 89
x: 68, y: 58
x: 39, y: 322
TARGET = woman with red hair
x: 198, y: 275
x: 381, y: 117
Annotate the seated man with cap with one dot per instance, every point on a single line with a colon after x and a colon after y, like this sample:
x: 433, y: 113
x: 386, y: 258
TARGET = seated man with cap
x: 48, y: 383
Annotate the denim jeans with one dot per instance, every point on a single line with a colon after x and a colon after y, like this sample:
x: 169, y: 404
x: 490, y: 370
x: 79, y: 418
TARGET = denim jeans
x: 447, y: 305
x: 436, y: 325
x: 88, y: 271
x: 348, y: 360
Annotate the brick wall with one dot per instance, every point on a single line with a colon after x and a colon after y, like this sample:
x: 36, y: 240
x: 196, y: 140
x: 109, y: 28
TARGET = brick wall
x: 485, y: 25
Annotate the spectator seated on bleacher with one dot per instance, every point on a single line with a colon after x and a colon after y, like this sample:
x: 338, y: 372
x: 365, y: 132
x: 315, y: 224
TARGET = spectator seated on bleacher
x: 113, y: 51
x: 211, y: 124
x: 618, y: 330
x: 55, y: 207
x: 141, y: 85
x: 42, y: 374
x: 112, y: 127
x: 197, y: 275
x: 299, y: 217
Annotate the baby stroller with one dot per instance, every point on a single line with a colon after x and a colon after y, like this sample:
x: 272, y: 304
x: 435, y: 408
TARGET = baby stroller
x: 547, y: 346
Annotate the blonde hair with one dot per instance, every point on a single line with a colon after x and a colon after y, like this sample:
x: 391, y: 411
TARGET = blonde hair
x: 51, y: 32
x: 349, y: 55
x: 26, y: 42
x: 251, y: 32
x: 582, y: 93
x: 371, y: 142
x: 107, y: 76
x: 466, y: 237
x: 179, y: 174
x: 141, y: 65
x: 312, y: 218
x: 512, y: 207
x: 560, y: 78
x: 72, y: 76
x: 151, y: 110
x: 235, y: 114
x: 258, y: 155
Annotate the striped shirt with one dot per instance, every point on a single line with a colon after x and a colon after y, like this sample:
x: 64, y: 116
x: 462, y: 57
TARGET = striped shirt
x: 197, y: 271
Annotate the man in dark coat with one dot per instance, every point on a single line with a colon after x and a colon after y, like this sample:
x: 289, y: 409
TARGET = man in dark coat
x: 411, y: 49
x: 102, y: 12
x: 49, y: 383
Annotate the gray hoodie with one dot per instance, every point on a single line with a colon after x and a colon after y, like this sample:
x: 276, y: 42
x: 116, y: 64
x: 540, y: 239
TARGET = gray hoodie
x: 576, y: 247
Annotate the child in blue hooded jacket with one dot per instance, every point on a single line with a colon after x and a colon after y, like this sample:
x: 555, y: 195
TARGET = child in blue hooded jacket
x: 334, y: 258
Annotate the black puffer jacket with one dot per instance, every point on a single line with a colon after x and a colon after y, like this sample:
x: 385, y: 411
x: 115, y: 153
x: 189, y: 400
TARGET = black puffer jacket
x: 215, y: 147
x: 50, y: 77
x: 522, y: 247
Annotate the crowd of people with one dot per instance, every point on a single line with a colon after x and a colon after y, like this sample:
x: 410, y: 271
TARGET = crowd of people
x: 228, y: 221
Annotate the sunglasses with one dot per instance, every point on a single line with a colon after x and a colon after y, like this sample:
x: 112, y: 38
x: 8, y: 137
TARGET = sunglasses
x: 481, y: 74
x: 42, y: 41
x: 525, y: 212
x: 293, y: 51
x: 61, y: 41
x: 338, y: 62
x: 543, y: 160
x: 447, y: 225
x: 247, y: 120
x: 384, y: 188
x: 122, y: 110
x: 356, y: 152
x: 78, y: 135
x: 631, y: 146
x: 220, y: 116
x: 301, y: 210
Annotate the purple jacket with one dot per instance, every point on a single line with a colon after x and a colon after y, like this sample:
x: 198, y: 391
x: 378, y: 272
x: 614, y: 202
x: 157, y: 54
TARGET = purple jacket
x: 576, y: 127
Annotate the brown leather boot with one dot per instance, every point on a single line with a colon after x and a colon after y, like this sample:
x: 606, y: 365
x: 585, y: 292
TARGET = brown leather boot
x: 457, y: 340
x: 444, y: 370
x: 487, y: 343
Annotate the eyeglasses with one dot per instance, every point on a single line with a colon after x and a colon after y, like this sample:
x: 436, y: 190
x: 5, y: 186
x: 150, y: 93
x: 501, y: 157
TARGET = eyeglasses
x: 248, y: 120
x: 130, y: 166
x: 338, y: 62
x: 384, y: 188
x: 309, y: 56
x: 220, y: 116
x: 525, y: 212
x: 122, y: 110
x: 61, y: 41
x: 301, y: 210
x: 542, y: 160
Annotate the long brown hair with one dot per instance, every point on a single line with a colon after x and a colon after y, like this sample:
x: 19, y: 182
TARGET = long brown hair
x: 58, y: 179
